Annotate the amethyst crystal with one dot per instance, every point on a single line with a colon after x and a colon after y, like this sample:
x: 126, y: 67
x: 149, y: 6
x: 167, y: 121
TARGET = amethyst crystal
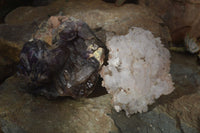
x: 68, y: 67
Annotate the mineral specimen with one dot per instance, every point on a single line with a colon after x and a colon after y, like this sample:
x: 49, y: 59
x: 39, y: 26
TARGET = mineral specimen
x: 137, y: 72
x: 68, y: 66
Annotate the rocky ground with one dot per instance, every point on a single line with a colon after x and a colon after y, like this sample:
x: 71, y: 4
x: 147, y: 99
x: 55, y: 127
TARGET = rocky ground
x: 21, y: 112
x: 181, y: 16
x: 175, y: 113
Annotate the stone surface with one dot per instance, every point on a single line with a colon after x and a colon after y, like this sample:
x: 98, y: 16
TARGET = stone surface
x: 184, y: 103
x: 22, y: 21
x: 8, y: 127
x: 175, y: 113
x: 8, y: 5
x: 154, y: 121
x: 36, y: 114
x: 17, y: 33
x: 12, y: 38
x: 23, y: 112
x: 97, y: 14
x: 28, y: 14
x: 182, y: 16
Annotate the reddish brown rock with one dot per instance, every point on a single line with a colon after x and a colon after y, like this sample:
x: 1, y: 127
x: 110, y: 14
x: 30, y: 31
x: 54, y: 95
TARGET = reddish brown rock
x: 182, y: 17
x: 45, y: 31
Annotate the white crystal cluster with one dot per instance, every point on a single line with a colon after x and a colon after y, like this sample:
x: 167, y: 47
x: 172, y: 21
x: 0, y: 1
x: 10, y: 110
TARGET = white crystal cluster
x: 138, y: 70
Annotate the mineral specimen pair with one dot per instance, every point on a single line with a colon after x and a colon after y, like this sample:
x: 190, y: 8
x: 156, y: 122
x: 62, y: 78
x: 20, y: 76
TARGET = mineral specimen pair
x: 65, y: 59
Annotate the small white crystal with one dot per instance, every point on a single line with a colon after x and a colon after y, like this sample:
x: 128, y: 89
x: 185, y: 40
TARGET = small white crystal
x: 137, y: 70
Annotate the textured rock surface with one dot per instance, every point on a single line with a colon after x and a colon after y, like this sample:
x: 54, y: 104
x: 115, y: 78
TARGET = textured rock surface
x: 9, y: 127
x: 12, y: 38
x: 23, y: 112
x: 154, y: 121
x: 182, y: 16
x: 184, y: 103
x: 24, y: 15
x: 17, y: 33
x: 96, y: 14
x: 175, y: 113
x: 36, y: 114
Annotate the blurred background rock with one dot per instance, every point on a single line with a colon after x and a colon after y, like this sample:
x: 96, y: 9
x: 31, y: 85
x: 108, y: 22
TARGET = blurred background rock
x: 8, y: 5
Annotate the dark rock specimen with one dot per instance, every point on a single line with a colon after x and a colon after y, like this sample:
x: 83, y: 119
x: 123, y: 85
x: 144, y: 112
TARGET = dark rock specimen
x: 68, y: 67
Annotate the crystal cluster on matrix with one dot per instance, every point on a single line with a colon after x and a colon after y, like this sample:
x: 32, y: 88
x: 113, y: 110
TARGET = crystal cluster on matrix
x: 138, y: 70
